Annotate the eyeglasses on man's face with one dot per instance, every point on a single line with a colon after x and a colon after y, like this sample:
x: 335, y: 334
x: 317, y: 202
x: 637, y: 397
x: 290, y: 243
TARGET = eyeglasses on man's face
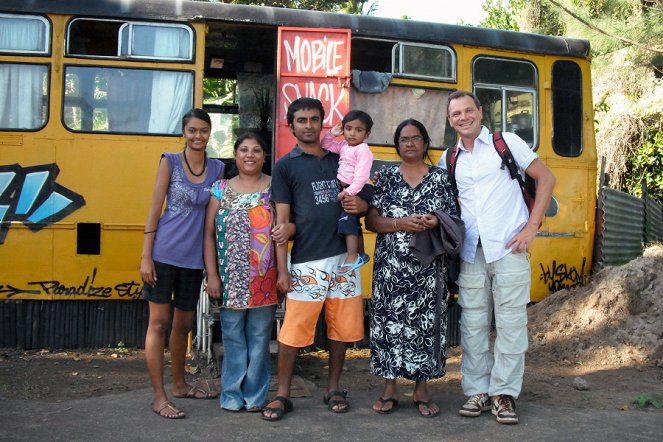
x: 406, y: 140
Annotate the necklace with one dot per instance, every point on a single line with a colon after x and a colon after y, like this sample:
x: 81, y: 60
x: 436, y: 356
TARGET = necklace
x: 254, y: 188
x: 188, y: 166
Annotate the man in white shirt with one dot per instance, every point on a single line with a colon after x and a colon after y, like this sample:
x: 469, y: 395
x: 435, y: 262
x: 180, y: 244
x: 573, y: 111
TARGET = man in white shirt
x: 495, y: 269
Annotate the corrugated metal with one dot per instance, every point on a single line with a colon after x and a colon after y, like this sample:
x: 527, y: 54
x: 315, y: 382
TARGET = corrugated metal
x: 653, y: 221
x: 623, y: 227
x: 28, y: 324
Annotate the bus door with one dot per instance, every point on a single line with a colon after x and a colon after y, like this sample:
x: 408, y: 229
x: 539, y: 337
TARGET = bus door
x: 311, y: 63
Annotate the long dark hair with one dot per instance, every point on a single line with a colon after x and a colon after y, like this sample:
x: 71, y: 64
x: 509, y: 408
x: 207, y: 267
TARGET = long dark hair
x: 196, y: 113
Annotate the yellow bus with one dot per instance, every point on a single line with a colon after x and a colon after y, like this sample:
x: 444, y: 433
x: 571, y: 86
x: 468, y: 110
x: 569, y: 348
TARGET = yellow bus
x: 91, y: 93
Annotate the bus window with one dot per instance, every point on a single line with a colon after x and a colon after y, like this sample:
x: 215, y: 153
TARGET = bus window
x: 24, y: 34
x: 418, y: 103
x: 424, y: 61
x: 124, y: 100
x: 507, y: 91
x: 172, y: 42
x: 370, y: 54
x: 567, y: 108
x: 220, y: 101
x: 113, y: 38
x: 23, y: 96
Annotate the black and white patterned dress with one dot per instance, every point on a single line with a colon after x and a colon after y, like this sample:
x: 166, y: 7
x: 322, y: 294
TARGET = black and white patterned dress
x: 402, y: 313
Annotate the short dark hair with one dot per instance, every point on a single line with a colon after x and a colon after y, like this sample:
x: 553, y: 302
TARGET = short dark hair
x: 196, y: 113
x: 304, y: 103
x: 250, y: 136
x: 461, y: 94
x: 360, y: 115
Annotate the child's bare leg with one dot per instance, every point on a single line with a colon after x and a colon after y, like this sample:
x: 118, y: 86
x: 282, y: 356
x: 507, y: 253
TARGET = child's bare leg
x: 352, y: 243
x: 360, y: 244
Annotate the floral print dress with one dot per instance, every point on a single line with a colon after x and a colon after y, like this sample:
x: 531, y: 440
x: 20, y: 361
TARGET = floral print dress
x: 403, y: 302
x: 245, y: 252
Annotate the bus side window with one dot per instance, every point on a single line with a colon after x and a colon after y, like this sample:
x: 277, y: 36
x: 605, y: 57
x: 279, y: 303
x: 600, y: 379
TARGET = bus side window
x: 24, y: 86
x: 567, y: 108
x: 120, y: 39
x: 123, y: 100
x: 507, y: 91
x: 24, y: 34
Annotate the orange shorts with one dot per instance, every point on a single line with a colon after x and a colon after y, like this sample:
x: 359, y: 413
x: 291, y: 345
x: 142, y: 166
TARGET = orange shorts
x: 316, y: 284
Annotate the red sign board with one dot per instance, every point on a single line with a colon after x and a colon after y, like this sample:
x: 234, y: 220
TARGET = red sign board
x: 312, y: 63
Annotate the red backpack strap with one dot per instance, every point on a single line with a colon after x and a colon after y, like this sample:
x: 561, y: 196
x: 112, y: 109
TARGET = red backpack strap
x: 505, y: 154
x: 527, y: 184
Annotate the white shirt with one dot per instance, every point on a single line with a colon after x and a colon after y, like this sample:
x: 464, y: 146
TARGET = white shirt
x: 492, y: 205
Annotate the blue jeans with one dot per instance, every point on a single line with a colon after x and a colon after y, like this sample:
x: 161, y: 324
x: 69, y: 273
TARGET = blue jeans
x: 246, y: 368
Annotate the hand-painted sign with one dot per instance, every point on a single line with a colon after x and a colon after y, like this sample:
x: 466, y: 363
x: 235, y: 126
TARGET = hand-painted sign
x: 312, y: 63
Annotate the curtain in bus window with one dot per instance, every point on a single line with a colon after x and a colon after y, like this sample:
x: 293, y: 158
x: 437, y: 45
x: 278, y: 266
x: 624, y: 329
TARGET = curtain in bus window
x: 129, y: 93
x: 21, y: 93
x: 163, y: 42
x: 396, y: 104
x: 22, y: 35
x: 171, y: 98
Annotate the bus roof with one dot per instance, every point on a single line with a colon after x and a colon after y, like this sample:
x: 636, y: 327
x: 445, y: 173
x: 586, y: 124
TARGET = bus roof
x: 360, y: 25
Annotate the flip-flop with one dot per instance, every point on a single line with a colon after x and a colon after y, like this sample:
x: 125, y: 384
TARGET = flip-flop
x: 178, y: 414
x: 393, y: 401
x: 331, y: 403
x: 361, y: 260
x: 426, y: 404
x: 277, y: 413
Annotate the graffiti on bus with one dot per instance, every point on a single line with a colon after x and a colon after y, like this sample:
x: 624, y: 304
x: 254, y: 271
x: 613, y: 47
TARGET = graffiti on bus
x: 31, y: 195
x: 562, y: 276
x: 87, y: 288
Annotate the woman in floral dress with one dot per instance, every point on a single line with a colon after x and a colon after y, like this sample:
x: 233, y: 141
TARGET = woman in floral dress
x: 241, y: 273
x: 403, y: 304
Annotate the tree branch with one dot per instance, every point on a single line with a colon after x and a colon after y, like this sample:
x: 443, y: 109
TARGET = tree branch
x: 608, y: 34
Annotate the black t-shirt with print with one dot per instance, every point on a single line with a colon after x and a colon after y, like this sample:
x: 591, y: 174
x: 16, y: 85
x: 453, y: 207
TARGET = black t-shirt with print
x: 308, y: 183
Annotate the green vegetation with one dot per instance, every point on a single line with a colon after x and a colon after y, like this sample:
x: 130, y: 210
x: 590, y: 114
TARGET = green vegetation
x: 646, y: 400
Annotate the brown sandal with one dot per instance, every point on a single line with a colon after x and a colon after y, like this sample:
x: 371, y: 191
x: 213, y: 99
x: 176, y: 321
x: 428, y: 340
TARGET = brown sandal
x: 427, y: 406
x: 167, y: 405
x: 392, y: 400
x: 199, y: 392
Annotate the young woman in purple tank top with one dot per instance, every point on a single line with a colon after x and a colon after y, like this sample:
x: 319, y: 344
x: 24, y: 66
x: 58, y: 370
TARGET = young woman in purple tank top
x: 172, y: 260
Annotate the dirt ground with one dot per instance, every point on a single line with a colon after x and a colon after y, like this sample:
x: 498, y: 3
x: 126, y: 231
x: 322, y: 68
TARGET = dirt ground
x: 608, y: 333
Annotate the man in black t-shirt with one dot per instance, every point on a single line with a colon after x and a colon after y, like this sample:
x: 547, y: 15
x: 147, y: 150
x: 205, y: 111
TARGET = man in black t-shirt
x: 304, y: 188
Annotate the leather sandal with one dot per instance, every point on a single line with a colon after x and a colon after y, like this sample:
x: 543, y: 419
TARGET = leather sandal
x: 276, y: 413
x: 342, y: 404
